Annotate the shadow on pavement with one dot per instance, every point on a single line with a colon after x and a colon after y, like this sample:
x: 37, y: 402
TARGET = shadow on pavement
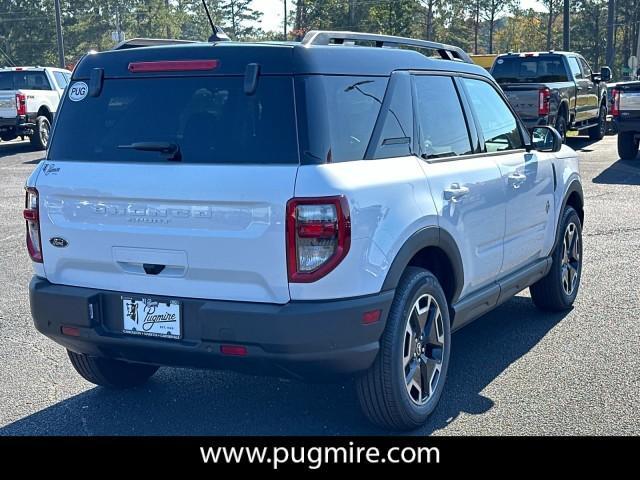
x: 186, y: 402
x: 622, y: 172
x: 14, y: 148
x: 581, y: 144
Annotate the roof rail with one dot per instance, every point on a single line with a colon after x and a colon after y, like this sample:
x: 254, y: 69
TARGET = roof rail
x: 321, y: 37
x: 148, y: 42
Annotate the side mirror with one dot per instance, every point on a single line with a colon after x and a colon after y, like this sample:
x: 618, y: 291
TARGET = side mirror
x: 605, y: 74
x: 546, y: 139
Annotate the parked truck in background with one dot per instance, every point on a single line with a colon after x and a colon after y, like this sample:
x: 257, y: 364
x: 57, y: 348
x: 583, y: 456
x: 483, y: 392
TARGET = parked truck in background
x: 29, y: 98
x: 555, y: 88
x: 625, y: 109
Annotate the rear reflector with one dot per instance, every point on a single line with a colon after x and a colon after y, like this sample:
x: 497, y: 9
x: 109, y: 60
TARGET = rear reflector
x: 371, y: 317
x: 233, y: 350
x: 173, y: 66
x: 71, y: 331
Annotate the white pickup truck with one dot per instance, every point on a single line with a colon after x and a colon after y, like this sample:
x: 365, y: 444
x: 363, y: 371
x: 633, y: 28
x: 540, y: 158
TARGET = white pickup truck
x: 29, y: 98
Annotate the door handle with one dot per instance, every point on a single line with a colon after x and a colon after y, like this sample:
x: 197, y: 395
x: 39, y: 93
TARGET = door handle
x: 455, y: 192
x: 517, y: 179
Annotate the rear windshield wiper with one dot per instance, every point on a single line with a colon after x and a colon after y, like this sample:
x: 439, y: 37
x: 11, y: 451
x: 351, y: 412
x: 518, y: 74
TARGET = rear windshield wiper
x: 172, y: 150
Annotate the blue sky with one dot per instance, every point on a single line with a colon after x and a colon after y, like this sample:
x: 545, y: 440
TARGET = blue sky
x: 273, y: 11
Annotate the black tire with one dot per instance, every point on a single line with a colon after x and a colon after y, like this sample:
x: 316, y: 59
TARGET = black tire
x: 561, y: 126
x: 386, y: 398
x: 598, y: 131
x: 551, y: 293
x: 627, y: 146
x: 40, y: 138
x: 110, y: 373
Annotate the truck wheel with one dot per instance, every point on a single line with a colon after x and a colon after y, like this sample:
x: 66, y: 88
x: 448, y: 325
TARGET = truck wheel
x: 110, y: 373
x: 598, y: 131
x: 40, y: 138
x: 403, y: 386
x: 558, y: 290
x: 627, y: 146
x: 561, y: 126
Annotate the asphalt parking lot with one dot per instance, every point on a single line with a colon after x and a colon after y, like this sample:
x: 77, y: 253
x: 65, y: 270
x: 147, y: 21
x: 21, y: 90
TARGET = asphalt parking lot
x: 515, y: 371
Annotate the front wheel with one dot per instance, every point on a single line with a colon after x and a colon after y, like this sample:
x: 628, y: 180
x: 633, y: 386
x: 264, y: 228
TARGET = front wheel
x: 558, y: 289
x: 598, y: 131
x: 111, y: 373
x: 404, y: 385
x: 627, y: 145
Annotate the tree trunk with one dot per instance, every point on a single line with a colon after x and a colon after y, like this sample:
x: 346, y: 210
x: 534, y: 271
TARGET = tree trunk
x: 611, y: 16
x: 476, y: 27
x: 491, y: 28
x: 352, y: 15
x: 429, y: 32
x: 549, y: 25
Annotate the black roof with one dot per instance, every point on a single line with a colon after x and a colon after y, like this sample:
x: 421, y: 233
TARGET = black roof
x: 341, y: 57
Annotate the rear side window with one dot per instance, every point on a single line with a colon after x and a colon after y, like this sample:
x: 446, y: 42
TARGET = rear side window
x: 529, y: 69
x: 24, y: 80
x: 338, y: 115
x: 210, y: 119
x: 442, y: 126
x: 575, y: 67
x: 496, y: 121
x: 61, y: 79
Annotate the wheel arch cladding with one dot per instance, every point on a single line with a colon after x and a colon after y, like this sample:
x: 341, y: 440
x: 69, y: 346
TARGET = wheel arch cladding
x: 434, y: 249
x: 574, y: 198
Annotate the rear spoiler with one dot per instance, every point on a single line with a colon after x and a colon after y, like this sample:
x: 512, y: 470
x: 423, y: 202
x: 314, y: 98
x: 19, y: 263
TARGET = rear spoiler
x: 149, y: 42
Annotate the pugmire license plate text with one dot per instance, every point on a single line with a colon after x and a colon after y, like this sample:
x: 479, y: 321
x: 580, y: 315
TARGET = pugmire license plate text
x: 149, y: 317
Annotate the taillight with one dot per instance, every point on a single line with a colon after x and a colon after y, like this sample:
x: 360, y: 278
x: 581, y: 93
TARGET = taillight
x: 21, y: 104
x: 615, y: 102
x: 31, y: 215
x: 544, y: 99
x: 318, y: 236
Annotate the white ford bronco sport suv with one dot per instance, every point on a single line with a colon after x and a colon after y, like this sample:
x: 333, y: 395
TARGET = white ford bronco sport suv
x: 316, y: 209
x: 29, y: 99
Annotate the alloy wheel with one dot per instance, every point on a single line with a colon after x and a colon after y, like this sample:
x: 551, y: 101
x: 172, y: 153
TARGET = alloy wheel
x: 570, y: 259
x: 423, y: 349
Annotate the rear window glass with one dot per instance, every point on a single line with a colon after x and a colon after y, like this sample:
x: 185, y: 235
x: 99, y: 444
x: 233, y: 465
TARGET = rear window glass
x: 529, y: 69
x: 210, y: 120
x: 24, y: 80
x: 340, y: 114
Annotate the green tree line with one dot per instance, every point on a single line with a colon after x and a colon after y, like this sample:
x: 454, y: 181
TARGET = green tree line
x: 28, y: 34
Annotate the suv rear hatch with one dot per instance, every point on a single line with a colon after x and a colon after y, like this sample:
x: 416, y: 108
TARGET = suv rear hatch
x: 171, y: 183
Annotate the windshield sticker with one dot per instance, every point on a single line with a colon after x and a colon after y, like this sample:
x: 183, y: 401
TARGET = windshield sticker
x: 500, y: 61
x: 78, y: 91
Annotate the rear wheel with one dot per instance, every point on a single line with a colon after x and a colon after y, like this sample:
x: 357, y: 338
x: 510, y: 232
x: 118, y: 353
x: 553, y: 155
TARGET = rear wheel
x: 561, y: 126
x: 111, y: 373
x: 40, y: 138
x: 558, y: 290
x: 404, y: 385
x: 627, y: 145
x: 598, y: 131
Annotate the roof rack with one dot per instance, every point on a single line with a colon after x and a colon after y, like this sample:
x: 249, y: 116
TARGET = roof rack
x: 148, y: 42
x: 321, y: 37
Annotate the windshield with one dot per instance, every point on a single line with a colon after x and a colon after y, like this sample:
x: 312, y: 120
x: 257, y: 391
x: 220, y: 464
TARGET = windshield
x: 542, y: 69
x: 209, y: 119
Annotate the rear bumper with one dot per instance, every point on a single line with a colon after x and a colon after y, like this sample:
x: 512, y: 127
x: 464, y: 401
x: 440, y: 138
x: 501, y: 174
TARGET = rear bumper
x: 627, y: 125
x: 19, y: 125
x: 531, y: 123
x: 300, y: 339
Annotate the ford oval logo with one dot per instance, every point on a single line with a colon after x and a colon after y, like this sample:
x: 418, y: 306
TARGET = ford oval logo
x: 58, y: 242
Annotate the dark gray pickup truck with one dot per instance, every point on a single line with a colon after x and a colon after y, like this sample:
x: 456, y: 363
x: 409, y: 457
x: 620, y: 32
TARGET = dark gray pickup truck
x: 625, y: 109
x: 555, y: 88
